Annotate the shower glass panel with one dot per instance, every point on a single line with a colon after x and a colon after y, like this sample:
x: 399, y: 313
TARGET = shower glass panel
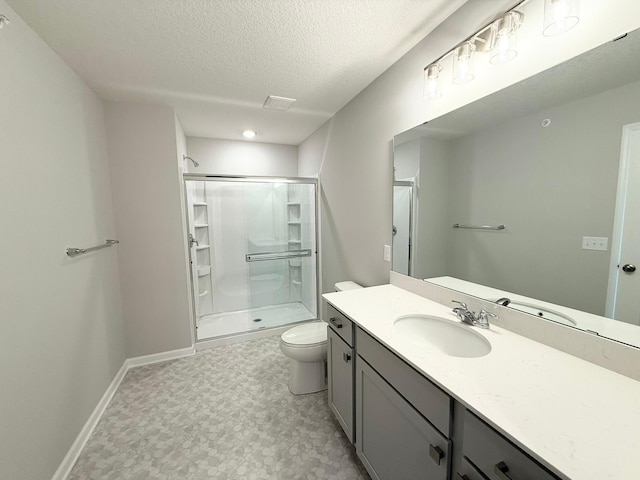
x: 253, y: 253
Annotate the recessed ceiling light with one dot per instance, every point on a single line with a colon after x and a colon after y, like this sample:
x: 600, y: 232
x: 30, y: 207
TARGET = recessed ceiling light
x: 249, y: 133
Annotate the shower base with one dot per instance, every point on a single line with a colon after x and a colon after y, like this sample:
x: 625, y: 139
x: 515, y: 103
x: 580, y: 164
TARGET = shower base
x: 242, y: 321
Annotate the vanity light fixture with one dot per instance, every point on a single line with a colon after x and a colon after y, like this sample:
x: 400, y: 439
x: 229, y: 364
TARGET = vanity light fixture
x: 3, y: 21
x: 463, y: 62
x: 249, y: 133
x: 560, y: 16
x: 499, y: 38
x: 432, y: 81
x: 504, y: 37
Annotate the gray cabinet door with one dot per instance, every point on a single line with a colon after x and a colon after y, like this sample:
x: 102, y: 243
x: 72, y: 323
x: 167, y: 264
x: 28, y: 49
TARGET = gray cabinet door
x: 393, y: 440
x: 340, y: 381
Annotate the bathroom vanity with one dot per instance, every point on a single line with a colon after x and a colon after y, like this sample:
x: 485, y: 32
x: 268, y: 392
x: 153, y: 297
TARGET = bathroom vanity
x: 522, y: 411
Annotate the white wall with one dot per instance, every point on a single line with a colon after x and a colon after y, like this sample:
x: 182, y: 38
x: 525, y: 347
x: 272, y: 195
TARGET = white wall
x: 232, y: 157
x: 145, y: 176
x: 61, y: 330
x: 355, y: 149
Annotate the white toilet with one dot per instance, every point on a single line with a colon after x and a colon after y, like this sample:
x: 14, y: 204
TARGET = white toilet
x: 306, y: 347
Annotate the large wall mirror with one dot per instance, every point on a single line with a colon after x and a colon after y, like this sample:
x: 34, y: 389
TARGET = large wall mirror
x: 546, y: 173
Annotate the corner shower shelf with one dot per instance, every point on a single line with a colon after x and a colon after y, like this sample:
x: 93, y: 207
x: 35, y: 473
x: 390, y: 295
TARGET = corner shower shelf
x: 203, y: 294
x: 293, y: 203
x: 201, y: 225
x: 199, y: 204
x: 293, y: 223
x: 295, y: 242
x: 202, y: 247
x: 202, y: 271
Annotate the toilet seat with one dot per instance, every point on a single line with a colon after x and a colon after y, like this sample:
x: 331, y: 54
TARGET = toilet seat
x: 305, y: 336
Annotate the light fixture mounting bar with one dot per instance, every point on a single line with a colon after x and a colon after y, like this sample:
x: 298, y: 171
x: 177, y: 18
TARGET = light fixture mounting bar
x: 482, y: 34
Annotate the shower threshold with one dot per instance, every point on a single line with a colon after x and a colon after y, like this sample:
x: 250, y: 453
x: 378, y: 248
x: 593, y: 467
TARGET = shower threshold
x: 243, y: 321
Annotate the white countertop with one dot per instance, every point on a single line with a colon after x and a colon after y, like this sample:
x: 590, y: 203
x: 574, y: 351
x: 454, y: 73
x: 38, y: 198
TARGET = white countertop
x: 578, y: 418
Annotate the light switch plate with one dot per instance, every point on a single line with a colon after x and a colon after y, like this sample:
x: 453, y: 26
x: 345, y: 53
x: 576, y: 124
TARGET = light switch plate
x: 595, y: 243
x: 387, y: 253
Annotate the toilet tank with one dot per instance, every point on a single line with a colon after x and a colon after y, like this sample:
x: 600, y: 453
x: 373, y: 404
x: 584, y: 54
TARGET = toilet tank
x: 342, y: 286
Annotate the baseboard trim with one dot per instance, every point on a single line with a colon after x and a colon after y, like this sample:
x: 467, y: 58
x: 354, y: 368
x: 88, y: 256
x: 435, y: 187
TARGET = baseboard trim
x: 159, y: 357
x: 83, y: 437
x: 81, y: 440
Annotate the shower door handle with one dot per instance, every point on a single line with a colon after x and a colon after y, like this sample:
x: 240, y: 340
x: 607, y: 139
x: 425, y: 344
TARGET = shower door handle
x: 192, y: 240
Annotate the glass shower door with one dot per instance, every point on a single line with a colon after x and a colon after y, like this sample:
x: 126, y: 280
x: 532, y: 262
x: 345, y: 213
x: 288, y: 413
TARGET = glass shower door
x: 255, y: 260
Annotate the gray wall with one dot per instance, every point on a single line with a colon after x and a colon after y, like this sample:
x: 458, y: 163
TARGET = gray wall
x: 232, y: 157
x: 551, y: 186
x: 61, y: 329
x: 145, y: 176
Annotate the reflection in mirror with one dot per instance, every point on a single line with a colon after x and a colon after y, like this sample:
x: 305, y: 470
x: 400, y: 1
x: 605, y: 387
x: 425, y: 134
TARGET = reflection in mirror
x: 556, y: 159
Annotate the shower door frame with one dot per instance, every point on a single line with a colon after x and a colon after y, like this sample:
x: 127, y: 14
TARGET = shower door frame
x: 248, y: 179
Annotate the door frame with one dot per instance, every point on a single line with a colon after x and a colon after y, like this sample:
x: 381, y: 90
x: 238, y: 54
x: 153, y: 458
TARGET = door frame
x: 249, y: 179
x: 411, y: 184
x: 618, y: 222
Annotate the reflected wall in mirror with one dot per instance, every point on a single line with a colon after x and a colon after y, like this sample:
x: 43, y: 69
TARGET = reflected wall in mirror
x: 543, y: 158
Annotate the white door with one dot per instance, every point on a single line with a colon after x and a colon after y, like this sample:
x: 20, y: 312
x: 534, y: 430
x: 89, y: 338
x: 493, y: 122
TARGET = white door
x: 623, y: 296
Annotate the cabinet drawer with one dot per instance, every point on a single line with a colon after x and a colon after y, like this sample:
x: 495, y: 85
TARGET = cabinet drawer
x: 340, y: 324
x: 467, y: 471
x: 394, y: 441
x: 428, y: 399
x: 496, y: 456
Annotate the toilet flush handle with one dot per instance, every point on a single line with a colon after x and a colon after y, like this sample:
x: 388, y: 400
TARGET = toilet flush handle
x: 346, y: 356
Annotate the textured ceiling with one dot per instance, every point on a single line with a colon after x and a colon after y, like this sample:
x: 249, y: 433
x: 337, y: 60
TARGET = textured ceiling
x: 216, y: 61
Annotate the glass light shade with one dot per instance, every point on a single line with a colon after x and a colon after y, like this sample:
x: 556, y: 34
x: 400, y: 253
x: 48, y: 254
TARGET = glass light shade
x: 504, y: 39
x: 432, y: 81
x: 560, y: 16
x: 463, y: 63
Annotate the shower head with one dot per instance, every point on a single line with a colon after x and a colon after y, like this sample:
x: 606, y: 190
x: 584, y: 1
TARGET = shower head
x: 195, y: 164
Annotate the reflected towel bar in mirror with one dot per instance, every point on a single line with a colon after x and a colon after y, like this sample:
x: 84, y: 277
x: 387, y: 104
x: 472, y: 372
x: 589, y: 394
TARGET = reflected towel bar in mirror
x: 261, y: 256
x: 74, y: 252
x: 480, y: 227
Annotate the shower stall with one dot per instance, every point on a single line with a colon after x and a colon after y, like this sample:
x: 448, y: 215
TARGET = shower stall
x: 252, y: 251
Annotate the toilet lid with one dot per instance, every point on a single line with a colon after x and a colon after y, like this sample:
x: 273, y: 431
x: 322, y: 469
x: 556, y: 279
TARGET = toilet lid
x: 307, y: 334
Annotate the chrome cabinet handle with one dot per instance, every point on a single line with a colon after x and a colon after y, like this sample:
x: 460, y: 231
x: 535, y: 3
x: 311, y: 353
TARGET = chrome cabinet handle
x: 460, y: 476
x: 501, y: 469
x: 346, y: 357
x: 335, y: 322
x: 435, y: 453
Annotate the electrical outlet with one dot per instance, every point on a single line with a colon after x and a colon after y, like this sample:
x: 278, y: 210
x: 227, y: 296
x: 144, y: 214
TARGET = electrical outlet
x: 595, y: 243
x: 387, y: 253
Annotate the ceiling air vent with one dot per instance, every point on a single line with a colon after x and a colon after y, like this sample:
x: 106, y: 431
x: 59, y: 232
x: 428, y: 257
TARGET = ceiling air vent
x: 278, y: 103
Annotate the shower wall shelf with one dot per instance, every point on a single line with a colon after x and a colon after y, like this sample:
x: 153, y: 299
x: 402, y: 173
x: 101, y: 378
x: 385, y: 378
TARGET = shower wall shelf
x: 202, y: 271
x: 200, y: 218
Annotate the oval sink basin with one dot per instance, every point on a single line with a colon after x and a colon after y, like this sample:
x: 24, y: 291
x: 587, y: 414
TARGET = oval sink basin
x: 441, y: 334
x: 542, y: 312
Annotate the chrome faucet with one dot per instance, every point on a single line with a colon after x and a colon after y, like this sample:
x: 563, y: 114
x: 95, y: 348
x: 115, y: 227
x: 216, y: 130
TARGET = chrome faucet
x: 481, y: 320
x: 504, y: 301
